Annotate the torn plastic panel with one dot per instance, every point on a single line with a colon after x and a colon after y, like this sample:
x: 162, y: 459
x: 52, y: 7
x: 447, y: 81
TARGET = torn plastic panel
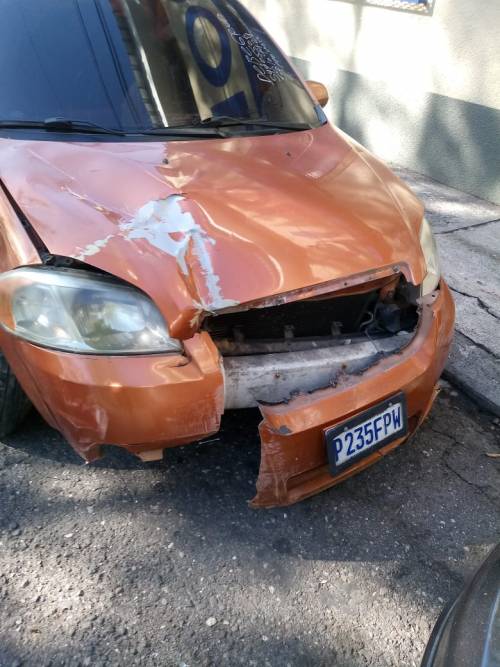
x: 276, y: 378
x: 275, y: 352
x: 293, y: 452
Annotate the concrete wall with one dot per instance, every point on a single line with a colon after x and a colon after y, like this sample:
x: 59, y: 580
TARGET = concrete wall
x: 419, y: 90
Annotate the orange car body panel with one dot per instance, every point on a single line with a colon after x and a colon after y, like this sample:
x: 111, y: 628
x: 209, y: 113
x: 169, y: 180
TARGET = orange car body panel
x: 281, y: 212
x: 144, y: 402
x: 279, y: 218
x: 294, y: 459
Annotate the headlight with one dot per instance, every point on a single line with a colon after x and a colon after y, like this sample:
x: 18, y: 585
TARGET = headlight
x: 77, y: 311
x: 431, y: 256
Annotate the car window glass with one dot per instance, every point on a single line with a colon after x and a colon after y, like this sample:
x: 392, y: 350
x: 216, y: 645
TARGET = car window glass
x: 136, y: 64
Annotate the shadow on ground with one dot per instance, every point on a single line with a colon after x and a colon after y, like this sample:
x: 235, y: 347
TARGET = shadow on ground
x: 124, y: 562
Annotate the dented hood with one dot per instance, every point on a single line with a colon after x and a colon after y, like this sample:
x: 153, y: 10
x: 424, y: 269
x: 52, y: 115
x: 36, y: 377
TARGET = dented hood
x: 208, y: 224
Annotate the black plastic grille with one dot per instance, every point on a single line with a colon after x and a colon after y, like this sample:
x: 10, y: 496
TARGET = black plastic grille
x: 299, y: 319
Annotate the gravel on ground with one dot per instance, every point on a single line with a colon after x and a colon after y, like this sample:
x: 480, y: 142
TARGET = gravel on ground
x: 124, y: 563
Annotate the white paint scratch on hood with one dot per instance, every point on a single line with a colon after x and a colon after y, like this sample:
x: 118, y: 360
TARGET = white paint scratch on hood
x: 157, y: 222
x: 93, y: 248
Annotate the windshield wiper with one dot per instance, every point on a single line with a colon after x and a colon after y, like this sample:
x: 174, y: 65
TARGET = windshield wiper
x: 183, y: 131
x: 61, y: 125
x: 212, y: 127
x: 87, y: 127
x: 229, y: 121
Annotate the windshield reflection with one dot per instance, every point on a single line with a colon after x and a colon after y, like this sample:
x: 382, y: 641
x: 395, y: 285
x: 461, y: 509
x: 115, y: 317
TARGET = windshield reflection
x: 140, y: 64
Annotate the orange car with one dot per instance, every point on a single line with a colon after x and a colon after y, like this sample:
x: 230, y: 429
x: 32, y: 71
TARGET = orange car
x: 182, y: 232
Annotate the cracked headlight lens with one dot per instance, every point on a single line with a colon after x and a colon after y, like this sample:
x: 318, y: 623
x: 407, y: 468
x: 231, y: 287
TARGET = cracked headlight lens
x: 76, y: 311
x: 431, y: 256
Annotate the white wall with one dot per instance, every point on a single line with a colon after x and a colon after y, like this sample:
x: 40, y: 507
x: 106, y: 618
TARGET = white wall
x: 420, y: 90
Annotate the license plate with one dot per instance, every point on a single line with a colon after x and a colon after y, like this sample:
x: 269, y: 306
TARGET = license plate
x: 365, y: 433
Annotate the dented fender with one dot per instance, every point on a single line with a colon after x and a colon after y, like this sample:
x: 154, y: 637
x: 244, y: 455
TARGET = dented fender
x: 143, y: 403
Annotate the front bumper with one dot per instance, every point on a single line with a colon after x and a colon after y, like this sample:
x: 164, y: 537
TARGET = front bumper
x: 294, y: 461
x: 146, y: 404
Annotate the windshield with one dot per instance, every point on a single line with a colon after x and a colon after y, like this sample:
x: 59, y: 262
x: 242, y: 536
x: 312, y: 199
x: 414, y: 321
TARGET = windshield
x: 138, y: 64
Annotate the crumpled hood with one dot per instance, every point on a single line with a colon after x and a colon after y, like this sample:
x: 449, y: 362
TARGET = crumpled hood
x: 208, y: 224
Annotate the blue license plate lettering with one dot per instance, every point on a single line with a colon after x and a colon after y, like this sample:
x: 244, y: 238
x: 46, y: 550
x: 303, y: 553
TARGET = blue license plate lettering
x: 396, y: 416
x: 377, y: 427
x: 387, y: 422
x: 360, y: 438
x: 350, y: 440
x: 369, y: 436
x: 339, y: 445
x: 368, y: 431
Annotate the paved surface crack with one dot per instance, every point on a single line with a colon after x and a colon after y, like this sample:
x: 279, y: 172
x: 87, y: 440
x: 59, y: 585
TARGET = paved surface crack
x: 478, y: 345
x: 476, y: 487
x: 481, y: 303
x: 480, y: 489
x: 466, y: 227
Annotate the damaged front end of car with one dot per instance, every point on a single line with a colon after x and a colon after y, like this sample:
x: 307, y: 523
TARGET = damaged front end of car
x: 273, y: 285
x: 273, y: 353
x: 310, y: 362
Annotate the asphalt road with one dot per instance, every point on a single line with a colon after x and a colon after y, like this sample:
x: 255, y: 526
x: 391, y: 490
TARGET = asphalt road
x: 124, y: 563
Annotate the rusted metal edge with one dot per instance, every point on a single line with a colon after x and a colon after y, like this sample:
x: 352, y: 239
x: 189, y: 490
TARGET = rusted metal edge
x: 337, y: 286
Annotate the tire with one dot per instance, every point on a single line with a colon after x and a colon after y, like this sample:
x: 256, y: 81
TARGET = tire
x: 14, y: 404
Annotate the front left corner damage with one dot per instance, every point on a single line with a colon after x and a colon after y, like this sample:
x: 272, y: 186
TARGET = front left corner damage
x: 144, y: 403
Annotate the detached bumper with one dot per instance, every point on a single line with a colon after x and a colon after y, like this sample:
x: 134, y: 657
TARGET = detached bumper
x: 294, y: 459
x: 146, y: 404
